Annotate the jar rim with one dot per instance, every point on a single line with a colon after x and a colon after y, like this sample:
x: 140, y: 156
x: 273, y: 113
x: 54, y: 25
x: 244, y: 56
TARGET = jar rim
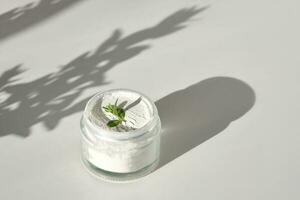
x: 127, y: 135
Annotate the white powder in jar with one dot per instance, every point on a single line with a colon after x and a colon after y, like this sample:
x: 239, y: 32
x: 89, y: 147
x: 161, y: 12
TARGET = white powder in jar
x: 137, y: 109
x: 121, y: 156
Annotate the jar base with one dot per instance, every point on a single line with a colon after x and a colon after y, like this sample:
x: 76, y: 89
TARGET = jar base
x: 119, y: 177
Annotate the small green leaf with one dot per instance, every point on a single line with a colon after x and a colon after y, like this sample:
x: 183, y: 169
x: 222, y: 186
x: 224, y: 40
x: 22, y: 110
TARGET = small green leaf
x: 113, y: 123
x: 106, y: 109
x: 117, y: 111
x: 121, y: 113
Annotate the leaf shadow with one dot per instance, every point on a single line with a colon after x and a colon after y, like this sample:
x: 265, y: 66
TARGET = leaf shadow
x: 21, y: 18
x: 55, y: 96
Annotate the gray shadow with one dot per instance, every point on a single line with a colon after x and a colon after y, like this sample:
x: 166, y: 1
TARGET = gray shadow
x: 193, y: 115
x: 21, y: 18
x: 51, y: 98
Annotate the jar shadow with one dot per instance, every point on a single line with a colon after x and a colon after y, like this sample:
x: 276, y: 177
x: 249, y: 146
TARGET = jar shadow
x: 195, y: 114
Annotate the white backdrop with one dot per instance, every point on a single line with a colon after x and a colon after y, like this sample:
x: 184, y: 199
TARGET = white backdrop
x: 224, y: 75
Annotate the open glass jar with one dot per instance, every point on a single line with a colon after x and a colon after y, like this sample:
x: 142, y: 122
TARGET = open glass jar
x: 127, y: 151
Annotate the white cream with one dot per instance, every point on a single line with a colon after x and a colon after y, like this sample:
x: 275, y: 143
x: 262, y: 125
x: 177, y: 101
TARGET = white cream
x: 137, y: 111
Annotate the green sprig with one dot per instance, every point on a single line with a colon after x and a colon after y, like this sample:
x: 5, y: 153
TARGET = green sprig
x: 117, y: 111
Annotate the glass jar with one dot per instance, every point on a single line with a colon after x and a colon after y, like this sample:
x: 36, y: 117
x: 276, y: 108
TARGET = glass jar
x: 120, y: 156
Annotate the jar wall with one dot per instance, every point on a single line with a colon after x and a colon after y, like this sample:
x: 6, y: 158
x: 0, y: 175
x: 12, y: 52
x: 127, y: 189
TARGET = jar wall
x: 123, y: 156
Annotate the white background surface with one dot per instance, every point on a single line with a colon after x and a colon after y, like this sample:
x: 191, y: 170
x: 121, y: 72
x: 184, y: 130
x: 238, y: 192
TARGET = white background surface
x: 257, y: 42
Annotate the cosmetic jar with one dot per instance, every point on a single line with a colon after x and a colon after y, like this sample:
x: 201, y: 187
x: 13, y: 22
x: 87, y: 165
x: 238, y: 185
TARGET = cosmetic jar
x: 127, y: 151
